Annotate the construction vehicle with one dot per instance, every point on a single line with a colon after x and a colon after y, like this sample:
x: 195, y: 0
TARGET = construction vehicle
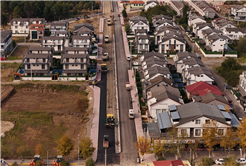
x: 110, y: 120
x: 58, y: 160
x: 104, y: 68
x: 105, y: 56
x: 36, y: 158
x: 94, y: 82
x: 105, y: 141
x: 128, y: 86
x: 106, y: 39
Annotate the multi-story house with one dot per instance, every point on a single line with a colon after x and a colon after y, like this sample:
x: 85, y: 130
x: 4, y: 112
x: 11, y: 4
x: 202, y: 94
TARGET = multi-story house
x: 242, y: 84
x: 178, y: 7
x: 202, y: 8
x: 84, y: 27
x: 82, y: 41
x: 61, y: 34
x: 40, y: 50
x: 153, y: 61
x: 165, y: 31
x: 161, y: 17
x: 216, y: 43
x: 37, y: 64
x: 139, y: 22
x: 171, y: 44
x: 157, y: 55
x: 75, y: 62
x: 239, y: 12
x: 195, y: 19
x: 155, y: 71
x: 142, y: 43
x: 36, y: 31
x: 58, y: 43
x: 207, y: 32
x: 160, y: 23
x: 199, y: 27
x: 136, y: 4
x: 58, y: 26
x: 21, y: 26
x: 6, y: 42
x: 140, y: 32
x: 189, y: 63
x: 150, y: 4
x: 189, y: 119
x: 221, y: 24
x: 235, y: 33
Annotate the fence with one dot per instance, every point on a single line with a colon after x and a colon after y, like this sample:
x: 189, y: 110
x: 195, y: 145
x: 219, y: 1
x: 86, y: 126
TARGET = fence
x: 60, y: 78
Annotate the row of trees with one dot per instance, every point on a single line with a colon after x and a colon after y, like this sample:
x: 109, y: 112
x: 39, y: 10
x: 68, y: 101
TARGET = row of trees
x: 176, y: 142
x: 50, y: 10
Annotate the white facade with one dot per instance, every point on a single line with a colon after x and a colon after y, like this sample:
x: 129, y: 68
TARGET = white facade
x: 171, y: 45
x: 191, y: 78
x: 152, y: 4
x: 199, y: 31
x: 242, y: 80
x: 239, y: 12
x: 218, y: 45
x: 235, y: 34
x: 202, y: 8
x: 20, y: 28
x: 192, y: 22
x: 58, y: 43
x: 139, y: 25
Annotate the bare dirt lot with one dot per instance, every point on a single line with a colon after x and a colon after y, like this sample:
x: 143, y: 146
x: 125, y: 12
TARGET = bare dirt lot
x: 7, y: 71
x: 18, y: 53
x: 6, y: 126
x: 42, y: 113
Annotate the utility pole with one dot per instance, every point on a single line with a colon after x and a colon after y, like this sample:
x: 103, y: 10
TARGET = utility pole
x: 105, y: 156
x: 78, y: 149
x: 31, y: 71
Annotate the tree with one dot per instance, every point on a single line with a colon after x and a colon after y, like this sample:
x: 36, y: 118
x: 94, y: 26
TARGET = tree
x: 75, y: 11
x: 89, y: 162
x: 193, y: 146
x: 4, y: 7
x: 65, y: 10
x: 159, y: 148
x: 17, y: 12
x: 39, y: 149
x: 228, y: 141
x: 127, y: 28
x: 205, y: 161
x: 124, y: 14
x: 241, y: 133
x: 65, y: 145
x: 142, y: 145
x: 231, y: 161
x: 15, y: 164
x: 96, y: 6
x: 65, y: 163
x: 13, y: 43
x: 4, y: 19
x: 240, y: 48
x: 209, y: 134
x: 27, y: 8
x: 86, y: 147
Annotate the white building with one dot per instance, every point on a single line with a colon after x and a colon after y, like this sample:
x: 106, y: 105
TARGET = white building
x: 202, y: 8
x: 142, y: 43
x: 6, y: 42
x: 58, y: 43
x: 221, y: 24
x: 160, y: 23
x: 195, y: 19
x: 149, y: 4
x: 82, y: 41
x: 239, y: 12
x: 138, y: 22
x: 178, y: 7
x: 166, y: 31
x: 235, y: 33
x: 217, y: 42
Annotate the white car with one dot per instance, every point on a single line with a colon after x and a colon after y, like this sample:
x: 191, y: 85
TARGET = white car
x: 219, y: 161
x: 241, y: 161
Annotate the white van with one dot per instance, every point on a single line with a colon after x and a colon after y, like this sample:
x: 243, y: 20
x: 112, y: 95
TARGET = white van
x: 128, y: 57
x: 131, y: 114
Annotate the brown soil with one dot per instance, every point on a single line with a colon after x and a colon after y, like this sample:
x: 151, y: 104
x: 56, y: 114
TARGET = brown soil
x: 7, y: 71
x: 6, y: 126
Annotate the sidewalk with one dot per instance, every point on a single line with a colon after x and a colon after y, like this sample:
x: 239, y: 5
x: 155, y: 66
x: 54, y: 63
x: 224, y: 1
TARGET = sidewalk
x: 101, y: 25
x: 100, y: 52
x: 148, y: 158
x: 98, y: 78
x: 127, y: 52
x: 120, y: 7
x: 100, y: 40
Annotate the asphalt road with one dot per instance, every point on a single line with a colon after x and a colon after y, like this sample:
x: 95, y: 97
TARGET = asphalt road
x: 112, y: 157
x: 127, y: 127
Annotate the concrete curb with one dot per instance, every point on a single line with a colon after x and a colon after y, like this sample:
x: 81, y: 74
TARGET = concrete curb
x: 95, y: 121
x: 101, y: 26
x: 117, y: 134
x: 127, y: 52
x: 100, y: 40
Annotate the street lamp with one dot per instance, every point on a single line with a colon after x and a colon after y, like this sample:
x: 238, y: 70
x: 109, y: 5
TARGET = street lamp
x: 47, y: 156
x: 78, y: 146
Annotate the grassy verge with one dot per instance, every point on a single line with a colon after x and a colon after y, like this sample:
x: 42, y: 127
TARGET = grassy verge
x: 18, y: 39
x: 7, y: 70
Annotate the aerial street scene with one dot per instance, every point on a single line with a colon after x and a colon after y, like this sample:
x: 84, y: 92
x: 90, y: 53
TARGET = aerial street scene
x: 123, y: 83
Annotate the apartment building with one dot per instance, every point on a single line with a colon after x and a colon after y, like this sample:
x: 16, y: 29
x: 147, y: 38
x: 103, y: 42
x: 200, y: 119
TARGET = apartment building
x: 6, y: 42
x: 239, y: 12
x: 58, y: 43
x: 202, y: 8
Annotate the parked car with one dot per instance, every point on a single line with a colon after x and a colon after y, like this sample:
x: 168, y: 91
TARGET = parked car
x: 2, y: 58
x: 241, y: 161
x: 219, y: 161
x: 118, y: 15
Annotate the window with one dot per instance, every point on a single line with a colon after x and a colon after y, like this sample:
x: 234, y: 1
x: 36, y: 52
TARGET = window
x: 26, y: 27
x: 146, y: 46
x: 27, y: 59
x: 16, y: 31
x: 158, y: 111
x: 181, y: 46
x: 221, y: 45
x: 183, y: 132
x: 221, y: 132
x: 16, y: 27
x: 141, y: 46
x: 174, y: 44
x: 207, y: 121
x: 43, y: 59
x: 28, y: 66
x: 164, y: 110
x: 198, y: 122
x: 198, y: 132
x: 43, y: 66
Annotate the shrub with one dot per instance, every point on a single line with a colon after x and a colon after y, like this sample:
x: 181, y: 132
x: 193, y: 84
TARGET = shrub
x: 15, y: 164
x: 65, y: 163
x: 89, y: 162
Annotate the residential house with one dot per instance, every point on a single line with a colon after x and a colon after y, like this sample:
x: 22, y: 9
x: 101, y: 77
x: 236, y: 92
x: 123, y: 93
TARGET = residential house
x: 202, y: 8
x: 216, y: 43
x: 76, y: 50
x: 195, y: 19
x: 180, y: 57
x: 75, y: 62
x: 142, y: 43
x: 6, y: 42
x: 150, y: 4
x: 160, y: 23
x: 207, y: 32
x: 242, y: 84
x: 166, y: 31
x: 21, y: 26
x: 234, y: 33
x: 153, y: 61
x: 161, y: 17
x: 36, y: 31
x: 189, y: 119
x: 239, y: 12
x: 61, y: 34
x: 157, y: 55
x: 171, y: 44
x: 160, y: 97
x: 58, y: 26
x: 156, y: 82
x: 40, y: 50
x: 58, y: 43
x: 136, y: 4
x: 221, y: 24
x: 189, y: 63
x: 82, y: 41
x: 37, y: 64
x: 213, y: 99
x: 154, y: 71
x: 138, y: 22
x: 196, y: 74
x: 84, y: 27
x: 201, y: 88
x: 199, y: 27
x: 140, y: 32
x: 178, y: 7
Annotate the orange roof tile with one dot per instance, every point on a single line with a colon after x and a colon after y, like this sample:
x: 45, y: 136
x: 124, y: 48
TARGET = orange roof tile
x: 38, y: 27
x: 136, y: 2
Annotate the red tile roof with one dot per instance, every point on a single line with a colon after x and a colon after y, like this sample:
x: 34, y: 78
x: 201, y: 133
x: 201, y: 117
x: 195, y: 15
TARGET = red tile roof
x: 169, y: 163
x: 202, y: 88
x: 38, y: 27
x: 136, y: 2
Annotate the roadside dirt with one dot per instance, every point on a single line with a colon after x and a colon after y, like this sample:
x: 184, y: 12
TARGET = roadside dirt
x: 7, y: 71
x: 6, y: 126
